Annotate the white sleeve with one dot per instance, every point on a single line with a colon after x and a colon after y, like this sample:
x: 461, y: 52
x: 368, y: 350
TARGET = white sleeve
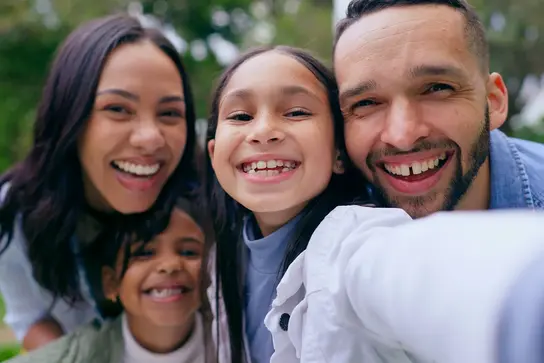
x: 25, y: 301
x: 437, y: 285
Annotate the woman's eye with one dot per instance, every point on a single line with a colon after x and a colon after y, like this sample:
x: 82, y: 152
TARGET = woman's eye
x: 438, y: 87
x: 172, y: 113
x: 117, y: 109
x: 242, y: 116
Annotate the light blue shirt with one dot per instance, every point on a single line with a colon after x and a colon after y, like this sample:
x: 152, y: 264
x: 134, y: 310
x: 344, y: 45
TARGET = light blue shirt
x: 25, y: 300
x: 264, y: 258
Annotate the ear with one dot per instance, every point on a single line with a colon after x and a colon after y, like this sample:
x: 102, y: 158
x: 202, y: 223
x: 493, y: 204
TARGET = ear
x: 211, y: 148
x: 110, y: 283
x: 497, y: 100
x: 338, y: 167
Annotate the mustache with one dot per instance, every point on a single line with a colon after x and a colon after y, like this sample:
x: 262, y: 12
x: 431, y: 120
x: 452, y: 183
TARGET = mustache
x: 423, y: 145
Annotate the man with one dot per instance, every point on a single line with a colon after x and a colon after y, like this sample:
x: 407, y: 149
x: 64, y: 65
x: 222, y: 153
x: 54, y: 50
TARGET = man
x: 422, y: 110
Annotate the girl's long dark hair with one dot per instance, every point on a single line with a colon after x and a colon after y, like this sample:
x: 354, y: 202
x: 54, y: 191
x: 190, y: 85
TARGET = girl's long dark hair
x: 45, y: 190
x: 228, y: 214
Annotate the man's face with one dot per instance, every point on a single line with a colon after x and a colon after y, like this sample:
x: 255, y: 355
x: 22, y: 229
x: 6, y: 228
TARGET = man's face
x: 417, y: 104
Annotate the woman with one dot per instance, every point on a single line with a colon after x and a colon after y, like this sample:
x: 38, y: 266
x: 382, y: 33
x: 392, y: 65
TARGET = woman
x: 113, y: 147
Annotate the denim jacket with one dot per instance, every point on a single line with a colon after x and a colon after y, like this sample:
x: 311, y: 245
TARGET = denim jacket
x: 517, y: 173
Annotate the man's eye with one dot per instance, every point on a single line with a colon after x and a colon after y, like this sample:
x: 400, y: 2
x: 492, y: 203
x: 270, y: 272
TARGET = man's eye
x: 438, y: 87
x: 365, y: 103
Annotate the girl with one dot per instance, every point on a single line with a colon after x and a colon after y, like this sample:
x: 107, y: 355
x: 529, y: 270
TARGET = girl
x: 114, y: 143
x: 159, y: 286
x: 271, y: 143
x: 274, y: 142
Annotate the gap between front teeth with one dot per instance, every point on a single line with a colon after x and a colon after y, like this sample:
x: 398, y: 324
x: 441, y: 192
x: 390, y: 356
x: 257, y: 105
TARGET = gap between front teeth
x: 415, y: 168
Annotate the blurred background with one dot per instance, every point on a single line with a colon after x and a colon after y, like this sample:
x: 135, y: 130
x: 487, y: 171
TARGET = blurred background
x: 211, y: 33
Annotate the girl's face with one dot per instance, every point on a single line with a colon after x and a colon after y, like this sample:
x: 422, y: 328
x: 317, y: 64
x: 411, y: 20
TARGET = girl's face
x: 274, y: 145
x: 161, y: 286
x: 136, y: 133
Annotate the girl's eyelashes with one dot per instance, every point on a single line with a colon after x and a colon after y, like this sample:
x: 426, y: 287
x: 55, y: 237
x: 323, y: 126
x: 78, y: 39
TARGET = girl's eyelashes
x: 240, y: 116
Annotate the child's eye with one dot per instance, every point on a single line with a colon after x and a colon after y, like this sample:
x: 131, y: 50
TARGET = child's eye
x: 189, y: 253
x: 240, y: 116
x: 140, y: 254
x: 299, y: 112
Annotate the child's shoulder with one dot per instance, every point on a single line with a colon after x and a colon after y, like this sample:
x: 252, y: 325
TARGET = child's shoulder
x: 93, y: 343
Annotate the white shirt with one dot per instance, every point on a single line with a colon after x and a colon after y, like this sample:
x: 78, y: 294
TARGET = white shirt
x: 374, y: 286
x: 193, y: 351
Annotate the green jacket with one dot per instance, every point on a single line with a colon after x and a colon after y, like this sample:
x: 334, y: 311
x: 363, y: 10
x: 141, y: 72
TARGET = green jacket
x: 92, y: 343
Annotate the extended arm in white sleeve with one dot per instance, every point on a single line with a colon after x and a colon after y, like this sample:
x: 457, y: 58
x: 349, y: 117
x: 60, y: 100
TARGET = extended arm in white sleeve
x: 437, y: 285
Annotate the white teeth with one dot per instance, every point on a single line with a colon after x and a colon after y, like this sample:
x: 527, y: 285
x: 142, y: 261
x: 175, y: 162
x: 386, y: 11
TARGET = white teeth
x: 137, y: 169
x: 162, y: 293
x: 416, y: 167
x: 268, y: 167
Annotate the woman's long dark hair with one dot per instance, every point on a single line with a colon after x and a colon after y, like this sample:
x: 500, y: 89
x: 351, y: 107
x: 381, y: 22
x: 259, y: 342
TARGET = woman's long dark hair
x: 45, y: 189
x: 228, y: 214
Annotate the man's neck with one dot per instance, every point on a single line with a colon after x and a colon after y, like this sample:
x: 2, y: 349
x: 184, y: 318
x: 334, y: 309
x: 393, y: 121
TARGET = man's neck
x: 478, y: 195
x: 157, y: 339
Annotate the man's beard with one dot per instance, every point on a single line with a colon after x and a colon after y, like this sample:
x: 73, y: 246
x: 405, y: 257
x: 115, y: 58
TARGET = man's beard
x: 459, y: 184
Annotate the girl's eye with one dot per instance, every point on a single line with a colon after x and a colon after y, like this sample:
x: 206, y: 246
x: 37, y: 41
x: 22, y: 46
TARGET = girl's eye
x: 438, y: 87
x: 240, y: 116
x: 189, y: 253
x: 142, y: 254
x: 298, y: 113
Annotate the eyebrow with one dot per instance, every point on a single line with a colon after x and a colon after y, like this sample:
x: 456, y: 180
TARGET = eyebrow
x: 189, y: 240
x: 436, y: 70
x: 357, y: 90
x: 295, y: 90
x: 133, y: 97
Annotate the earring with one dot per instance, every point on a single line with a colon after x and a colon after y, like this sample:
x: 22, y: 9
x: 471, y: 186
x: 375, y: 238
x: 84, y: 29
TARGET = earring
x: 338, y: 167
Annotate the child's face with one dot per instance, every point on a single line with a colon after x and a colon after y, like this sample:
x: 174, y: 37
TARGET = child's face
x: 161, y: 285
x: 274, y: 145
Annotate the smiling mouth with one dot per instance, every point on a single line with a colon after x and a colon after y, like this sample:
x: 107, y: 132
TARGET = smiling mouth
x: 165, y: 293
x: 137, y: 170
x: 417, y: 170
x: 268, y: 167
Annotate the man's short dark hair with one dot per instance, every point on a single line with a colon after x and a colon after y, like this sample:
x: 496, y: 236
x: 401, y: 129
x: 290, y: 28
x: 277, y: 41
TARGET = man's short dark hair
x: 474, y: 29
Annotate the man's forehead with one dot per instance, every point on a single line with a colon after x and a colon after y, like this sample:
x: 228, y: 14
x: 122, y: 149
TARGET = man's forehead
x: 389, y: 30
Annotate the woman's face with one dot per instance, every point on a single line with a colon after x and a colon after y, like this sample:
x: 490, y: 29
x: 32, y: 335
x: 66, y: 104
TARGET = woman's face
x: 136, y: 133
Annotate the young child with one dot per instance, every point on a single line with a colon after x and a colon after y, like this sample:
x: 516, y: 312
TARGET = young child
x: 370, y: 284
x: 159, y: 285
x: 275, y: 137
